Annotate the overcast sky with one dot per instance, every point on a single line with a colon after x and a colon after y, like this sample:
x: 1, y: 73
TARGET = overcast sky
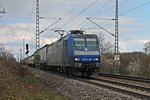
x: 19, y: 21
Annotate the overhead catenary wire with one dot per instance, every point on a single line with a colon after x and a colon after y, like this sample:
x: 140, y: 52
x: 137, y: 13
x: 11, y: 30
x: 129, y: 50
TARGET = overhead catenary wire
x: 30, y: 16
x: 101, y: 18
x: 101, y: 8
x: 1, y: 3
x: 73, y: 8
x: 79, y: 14
x: 41, y: 17
x: 123, y: 2
x: 105, y: 5
x: 2, y: 11
x: 50, y: 25
x: 32, y: 9
x: 134, y: 8
x: 30, y: 19
x: 104, y: 20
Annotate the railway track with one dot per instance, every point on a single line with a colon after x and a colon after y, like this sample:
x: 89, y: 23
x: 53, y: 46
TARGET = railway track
x: 131, y: 78
x: 125, y: 88
x: 135, y: 86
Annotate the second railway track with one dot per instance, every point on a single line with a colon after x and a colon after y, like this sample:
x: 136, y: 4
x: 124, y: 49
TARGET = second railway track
x: 124, y: 77
x: 128, y: 88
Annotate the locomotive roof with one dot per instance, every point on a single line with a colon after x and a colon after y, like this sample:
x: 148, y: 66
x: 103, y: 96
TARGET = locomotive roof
x: 84, y: 35
x: 76, y: 31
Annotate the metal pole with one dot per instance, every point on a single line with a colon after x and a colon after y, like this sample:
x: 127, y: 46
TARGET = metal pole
x: 37, y: 34
x: 116, y: 55
x: 3, y: 12
x: 20, y: 55
x: 23, y: 48
x: 18, y: 58
x: 37, y: 25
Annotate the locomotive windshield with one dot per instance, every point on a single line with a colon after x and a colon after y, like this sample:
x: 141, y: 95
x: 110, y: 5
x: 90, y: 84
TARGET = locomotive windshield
x: 85, y: 42
x: 79, y: 41
x: 91, y: 41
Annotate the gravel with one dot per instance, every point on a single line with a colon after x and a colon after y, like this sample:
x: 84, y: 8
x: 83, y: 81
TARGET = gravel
x: 77, y: 90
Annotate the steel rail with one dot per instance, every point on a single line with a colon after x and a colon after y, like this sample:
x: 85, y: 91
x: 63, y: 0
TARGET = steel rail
x: 133, y: 78
x: 129, y: 85
x: 119, y: 88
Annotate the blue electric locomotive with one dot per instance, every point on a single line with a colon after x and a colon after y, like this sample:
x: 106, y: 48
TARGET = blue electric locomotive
x: 73, y: 54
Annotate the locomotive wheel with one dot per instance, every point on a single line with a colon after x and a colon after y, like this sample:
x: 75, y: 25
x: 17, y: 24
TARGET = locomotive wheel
x: 86, y: 74
x: 58, y: 69
x: 70, y: 71
x: 67, y: 71
x: 62, y: 70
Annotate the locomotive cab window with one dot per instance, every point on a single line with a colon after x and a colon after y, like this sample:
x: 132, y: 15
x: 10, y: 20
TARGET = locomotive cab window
x: 79, y: 41
x: 91, y: 41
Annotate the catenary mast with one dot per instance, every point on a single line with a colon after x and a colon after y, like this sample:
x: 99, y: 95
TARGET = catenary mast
x: 37, y: 25
x: 116, y: 55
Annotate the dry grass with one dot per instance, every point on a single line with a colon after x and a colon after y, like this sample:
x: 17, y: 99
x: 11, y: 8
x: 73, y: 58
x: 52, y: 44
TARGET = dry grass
x: 17, y: 83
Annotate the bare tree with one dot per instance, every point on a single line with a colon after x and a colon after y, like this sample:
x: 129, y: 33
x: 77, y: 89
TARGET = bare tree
x: 106, y: 47
x: 5, y: 53
x: 2, y: 50
x: 147, y: 47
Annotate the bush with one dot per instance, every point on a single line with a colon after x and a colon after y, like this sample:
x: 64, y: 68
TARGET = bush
x: 135, y: 63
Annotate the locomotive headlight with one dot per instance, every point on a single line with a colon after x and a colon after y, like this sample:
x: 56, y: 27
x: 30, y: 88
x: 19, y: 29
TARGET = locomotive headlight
x: 96, y: 59
x: 77, y: 59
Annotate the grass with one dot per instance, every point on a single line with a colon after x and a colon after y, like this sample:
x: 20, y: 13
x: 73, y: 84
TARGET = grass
x: 17, y: 83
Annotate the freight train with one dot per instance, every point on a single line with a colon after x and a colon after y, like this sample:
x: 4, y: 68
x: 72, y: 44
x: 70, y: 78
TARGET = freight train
x: 74, y: 54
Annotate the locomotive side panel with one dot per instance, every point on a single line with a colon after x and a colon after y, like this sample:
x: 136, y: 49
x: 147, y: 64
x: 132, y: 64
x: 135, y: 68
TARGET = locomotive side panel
x: 49, y: 55
x: 65, y: 57
x: 55, y: 54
